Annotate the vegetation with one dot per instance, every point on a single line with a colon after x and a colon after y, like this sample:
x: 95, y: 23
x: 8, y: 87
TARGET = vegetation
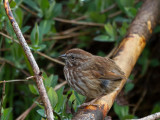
x: 51, y: 27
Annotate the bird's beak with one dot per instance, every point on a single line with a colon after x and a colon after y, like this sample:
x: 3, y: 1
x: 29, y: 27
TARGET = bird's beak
x: 63, y: 56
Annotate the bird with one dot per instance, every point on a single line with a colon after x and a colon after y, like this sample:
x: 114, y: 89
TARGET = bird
x: 90, y: 75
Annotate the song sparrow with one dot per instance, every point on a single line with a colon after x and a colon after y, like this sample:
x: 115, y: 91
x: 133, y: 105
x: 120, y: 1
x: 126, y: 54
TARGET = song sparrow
x: 90, y: 75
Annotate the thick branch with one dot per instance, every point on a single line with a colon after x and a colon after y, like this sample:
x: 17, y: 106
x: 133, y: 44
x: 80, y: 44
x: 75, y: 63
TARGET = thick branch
x: 126, y: 56
x: 32, y: 61
x: 154, y: 116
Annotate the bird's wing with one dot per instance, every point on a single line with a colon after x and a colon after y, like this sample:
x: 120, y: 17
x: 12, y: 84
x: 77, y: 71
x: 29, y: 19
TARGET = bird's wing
x: 109, y: 75
x: 107, y: 69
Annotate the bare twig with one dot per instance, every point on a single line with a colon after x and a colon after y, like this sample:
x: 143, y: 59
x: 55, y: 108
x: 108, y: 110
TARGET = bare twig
x: 154, y: 116
x: 18, y: 80
x: 4, y: 49
x: 71, y: 30
x: 139, y: 101
x: 114, y: 14
x: 24, y: 115
x: 66, y: 36
x: 7, y: 36
x: 112, y: 51
x: 79, y: 23
x: 28, y: 10
x: 42, y: 54
x: 52, y: 59
x: 12, y: 64
x: 32, y: 61
x: 60, y: 85
x: 109, y: 8
x: 26, y: 112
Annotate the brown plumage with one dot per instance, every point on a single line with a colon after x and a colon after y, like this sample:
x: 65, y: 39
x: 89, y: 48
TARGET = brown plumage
x: 90, y: 75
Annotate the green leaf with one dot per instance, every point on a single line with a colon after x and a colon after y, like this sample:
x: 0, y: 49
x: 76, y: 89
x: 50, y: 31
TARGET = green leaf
x: 45, y: 26
x: 79, y: 98
x: 33, y: 89
x: 123, y: 30
x: 38, y: 48
x: 61, y: 99
x: 121, y: 111
x: 12, y: 4
x: 144, y: 61
x: 154, y: 63
x: 157, y: 29
x: 41, y: 112
x: 128, y: 87
x: 32, y: 4
x: 156, y: 108
x: 48, y: 81
x: 124, y: 3
x: 25, y: 29
x: 19, y: 16
x: 54, y: 10
x: 130, y: 11
x: 6, y: 113
x: 103, y: 38
x: 9, y: 28
x: 110, y: 29
x: 35, y: 36
x: 52, y: 96
x: 44, y: 5
x: 96, y: 17
x: 127, y: 117
x: 55, y: 79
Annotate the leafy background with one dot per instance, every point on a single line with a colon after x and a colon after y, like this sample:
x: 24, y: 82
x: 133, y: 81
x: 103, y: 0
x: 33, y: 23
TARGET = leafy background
x: 46, y: 33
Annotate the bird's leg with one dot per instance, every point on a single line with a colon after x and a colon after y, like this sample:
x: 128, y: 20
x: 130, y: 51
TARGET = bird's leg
x: 90, y: 103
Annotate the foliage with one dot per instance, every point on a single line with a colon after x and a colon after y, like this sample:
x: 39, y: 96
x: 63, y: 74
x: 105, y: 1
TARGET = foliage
x: 37, y: 20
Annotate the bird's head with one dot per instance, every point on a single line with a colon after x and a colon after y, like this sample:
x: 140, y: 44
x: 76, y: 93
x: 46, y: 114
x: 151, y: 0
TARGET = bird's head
x: 76, y: 57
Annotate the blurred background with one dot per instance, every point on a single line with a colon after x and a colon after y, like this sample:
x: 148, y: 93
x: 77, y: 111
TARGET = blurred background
x: 52, y: 27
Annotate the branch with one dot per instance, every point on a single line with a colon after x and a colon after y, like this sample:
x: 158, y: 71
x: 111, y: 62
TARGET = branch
x: 32, y: 61
x: 26, y: 112
x: 154, y: 116
x: 42, y: 54
x: 79, y: 23
x: 126, y: 56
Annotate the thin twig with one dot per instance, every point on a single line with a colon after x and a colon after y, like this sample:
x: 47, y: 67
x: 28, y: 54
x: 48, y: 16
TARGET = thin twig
x: 143, y: 94
x: 114, y: 14
x: 4, y: 49
x: 154, y: 116
x: 112, y: 51
x: 52, y: 59
x: 139, y: 101
x: 109, y: 8
x: 28, y: 10
x: 42, y: 54
x: 12, y: 64
x: 7, y: 36
x: 3, y: 94
x: 71, y: 30
x: 60, y: 85
x: 35, y: 68
x: 66, y: 36
x: 17, y: 80
x: 79, y: 23
x: 26, y: 112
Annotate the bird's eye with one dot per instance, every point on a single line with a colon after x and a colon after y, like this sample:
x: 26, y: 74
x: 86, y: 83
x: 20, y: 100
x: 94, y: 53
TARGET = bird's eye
x: 72, y: 57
